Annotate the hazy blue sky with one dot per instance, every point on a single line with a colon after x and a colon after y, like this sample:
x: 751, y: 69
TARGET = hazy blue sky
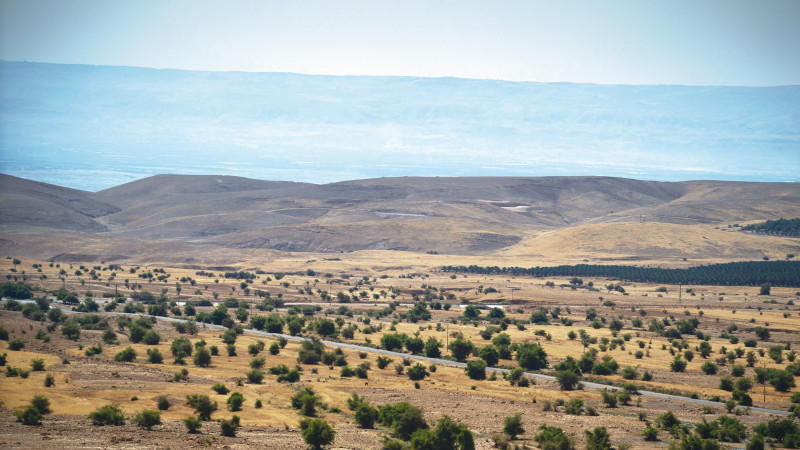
x: 708, y: 42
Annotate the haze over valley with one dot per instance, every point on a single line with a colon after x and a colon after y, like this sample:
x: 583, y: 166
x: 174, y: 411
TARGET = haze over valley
x: 95, y: 127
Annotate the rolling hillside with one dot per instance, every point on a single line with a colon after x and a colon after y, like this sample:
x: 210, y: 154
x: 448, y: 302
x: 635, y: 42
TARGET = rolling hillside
x: 550, y: 218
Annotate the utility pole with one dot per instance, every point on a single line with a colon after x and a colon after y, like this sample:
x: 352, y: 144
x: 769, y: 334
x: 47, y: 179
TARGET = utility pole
x: 680, y: 291
x: 764, y: 364
x: 447, y: 337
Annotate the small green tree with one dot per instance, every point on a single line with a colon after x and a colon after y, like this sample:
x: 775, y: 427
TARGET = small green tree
x: 476, y: 369
x: 228, y: 427
x: 148, y: 418
x: 202, y: 358
x: 513, y: 426
x: 128, y: 354
x: 677, y: 364
x: 154, y: 356
x: 554, y: 438
x: 193, y: 424
x: 29, y: 416
x: 650, y: 434
x: 532, y: 357
x: 567, y: 379
x: 365, y: 415
x: 317, y: 432
x: 110, y: 414
x: 163, y: 403
x: 235, y: 401
x: 597, y: 439
x: 417, y: 372
x: 461, y: 348
x: 202, y: 404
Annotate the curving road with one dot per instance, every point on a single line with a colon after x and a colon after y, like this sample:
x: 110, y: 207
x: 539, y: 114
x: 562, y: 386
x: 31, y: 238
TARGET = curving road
x: 445, y: 362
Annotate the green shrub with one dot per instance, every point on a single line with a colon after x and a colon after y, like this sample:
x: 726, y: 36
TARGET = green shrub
x: 476, y: 370
x: 202, y: 405
x: 29, y: 416
x: 163, y: 403
x: 553, y: 438
x: 228, y: 427
x: 383, y: 361
x: 110, y: 414
x: 220, y: 389
x: 255, y: 376
x: 37, y: 365
x: 16, y: 344
x: 93, y: 350
x: 568, y: 380
x: 609, y: 398
x: 193, y: 424
x: 180, y: 375
x: 154, y: 356
x: 365, y: 415
x: 128, y: 354
x: 709, y: 368
x: 417, y: 372
x: 202, y: 358
x: 305, y: 400
x: 42, y: 404
x: 512, y: 426
x: 147, y: 418
x: 258, y: 362
x: 677, y: 364
x: 317, y: 432
x: 597, y: 439
x: 235, y: 401
x: 574, y: 407
x: 630, y: 373
x: 181, y: 347
x: 151, y: 338
x: 650, y: 434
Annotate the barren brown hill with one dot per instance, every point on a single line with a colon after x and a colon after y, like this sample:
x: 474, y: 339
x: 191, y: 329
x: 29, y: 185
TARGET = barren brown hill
x: 29, y: 206
x: 508, y: 217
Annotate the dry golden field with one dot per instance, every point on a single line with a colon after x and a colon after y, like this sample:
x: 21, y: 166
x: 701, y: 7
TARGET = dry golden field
x: 85, y: 383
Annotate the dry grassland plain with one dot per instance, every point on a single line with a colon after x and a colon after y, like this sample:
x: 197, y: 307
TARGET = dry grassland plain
x: 727, y: 318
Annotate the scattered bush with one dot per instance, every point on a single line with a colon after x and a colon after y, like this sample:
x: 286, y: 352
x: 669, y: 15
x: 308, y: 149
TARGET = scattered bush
x: 193, y: 424
x: 512, y: 426
x: 163, y: 403
x: 317, y: 432
x: 255, y: 376
x: 154, y: 356
x: 202, y: 405
x: 476, y: 370
x: 417, y: 372
x: 553, y: 438
x: 228, y: 427
x: 148, y: 418
x: 110, y: 414
x: 16, y: 344
x: 128, y: 354
x: 235, y: 401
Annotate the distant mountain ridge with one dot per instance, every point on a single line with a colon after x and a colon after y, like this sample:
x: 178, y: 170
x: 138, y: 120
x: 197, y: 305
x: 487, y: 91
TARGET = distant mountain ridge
x: 93, y: 127
x: 445, y: 215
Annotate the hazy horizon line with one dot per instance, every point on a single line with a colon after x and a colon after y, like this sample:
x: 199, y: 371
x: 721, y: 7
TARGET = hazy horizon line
x: 425, y: 77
